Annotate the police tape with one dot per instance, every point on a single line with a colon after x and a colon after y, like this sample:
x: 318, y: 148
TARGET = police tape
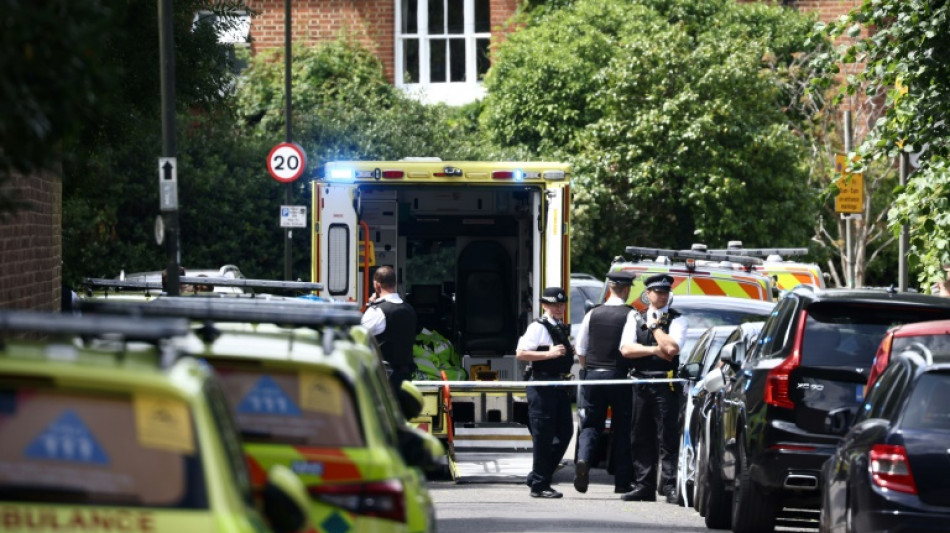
x: 517, y: 385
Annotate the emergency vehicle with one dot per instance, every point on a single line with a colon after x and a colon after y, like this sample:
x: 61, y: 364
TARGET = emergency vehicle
x: 786, y: 274
x: 473, y: 245
x: 696, y: 272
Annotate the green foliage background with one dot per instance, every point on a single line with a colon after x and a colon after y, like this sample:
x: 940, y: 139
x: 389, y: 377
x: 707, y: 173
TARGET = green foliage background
x: 666, y: 109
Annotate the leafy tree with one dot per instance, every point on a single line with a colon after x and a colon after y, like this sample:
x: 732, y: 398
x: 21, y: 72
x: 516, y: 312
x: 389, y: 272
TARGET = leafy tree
x: 110, y: 187
x: 904, y: 46
x: 671, y: 113
x: 52, y: 82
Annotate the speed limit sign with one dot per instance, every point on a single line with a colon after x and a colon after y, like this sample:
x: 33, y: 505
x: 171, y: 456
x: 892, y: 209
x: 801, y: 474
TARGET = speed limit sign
x: 286, y: 162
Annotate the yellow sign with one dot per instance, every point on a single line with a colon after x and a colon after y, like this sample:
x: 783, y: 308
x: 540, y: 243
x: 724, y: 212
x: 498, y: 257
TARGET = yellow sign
x: 850, y: 197
x: 163, y: 423
x: 321, y: 393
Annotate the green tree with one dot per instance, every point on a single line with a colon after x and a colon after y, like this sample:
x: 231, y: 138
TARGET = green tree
x: 671, y: 112
x: 904, y: 46
x: 110, y: 186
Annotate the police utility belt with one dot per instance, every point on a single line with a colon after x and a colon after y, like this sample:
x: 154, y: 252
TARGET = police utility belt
x: 549, y: 376
x: 648, y: 374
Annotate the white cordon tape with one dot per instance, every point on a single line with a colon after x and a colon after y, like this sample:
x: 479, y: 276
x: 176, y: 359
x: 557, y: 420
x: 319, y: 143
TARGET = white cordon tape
x: 515, y: 385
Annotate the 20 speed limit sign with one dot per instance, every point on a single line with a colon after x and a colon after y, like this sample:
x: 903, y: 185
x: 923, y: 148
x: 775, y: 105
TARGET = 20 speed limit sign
x: 286, y: 162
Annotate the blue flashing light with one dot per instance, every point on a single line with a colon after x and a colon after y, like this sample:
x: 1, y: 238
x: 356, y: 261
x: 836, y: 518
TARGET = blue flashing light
x: 518, y: 175
x: 341, y: 174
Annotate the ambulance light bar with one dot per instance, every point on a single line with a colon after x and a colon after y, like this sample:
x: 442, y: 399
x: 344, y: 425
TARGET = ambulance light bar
x: 691, y: 254
x: 129, y: 328
x: 763, y: 252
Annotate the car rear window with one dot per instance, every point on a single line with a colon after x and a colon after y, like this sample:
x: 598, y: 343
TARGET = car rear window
x: 937, y: 346
x: 848, y: 334
x: 308, y: 408
x: 928, y: 407
x: 94, y: 448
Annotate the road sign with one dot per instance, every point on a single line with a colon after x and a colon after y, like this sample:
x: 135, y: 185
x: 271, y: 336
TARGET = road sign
x: 850, y: 198
x: 293, y: 216
x: 286, y: 162
x: 168, y: 183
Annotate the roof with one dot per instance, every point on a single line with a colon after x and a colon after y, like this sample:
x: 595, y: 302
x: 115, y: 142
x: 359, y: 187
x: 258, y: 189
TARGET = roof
x: 869, y: 295
x: 435, y: 172
x: 930, y: 327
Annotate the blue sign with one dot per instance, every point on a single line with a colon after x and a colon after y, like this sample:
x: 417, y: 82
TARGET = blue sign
x: 267, y: 398
x: 67, y: 439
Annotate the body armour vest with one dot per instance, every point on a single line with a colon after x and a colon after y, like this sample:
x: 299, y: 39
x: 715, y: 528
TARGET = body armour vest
x: 395, y: 342
x: 560, y: 334
x: 646, y: 338
x: 605, y: 329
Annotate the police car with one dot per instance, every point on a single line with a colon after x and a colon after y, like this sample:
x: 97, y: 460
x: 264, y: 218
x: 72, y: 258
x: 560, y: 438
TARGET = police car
x: 105, y: 427
x: 310, y: 393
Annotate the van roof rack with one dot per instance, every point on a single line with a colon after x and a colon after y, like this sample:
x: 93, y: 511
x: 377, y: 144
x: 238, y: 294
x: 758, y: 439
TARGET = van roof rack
x: 130, y: 329
x: 640, y: 252
x: 289, y: 313
x: 244, y: 283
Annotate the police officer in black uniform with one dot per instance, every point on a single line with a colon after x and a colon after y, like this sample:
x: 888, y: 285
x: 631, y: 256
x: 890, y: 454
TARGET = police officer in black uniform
x: 598, y: 348
x: 546, y: 345
x: 393, y: 322
x: 654, y: 349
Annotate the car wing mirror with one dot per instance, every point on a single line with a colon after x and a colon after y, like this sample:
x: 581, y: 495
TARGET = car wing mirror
x: 838, y: 421
x: 690, y: 371
x: 285, y: 500
x: 588, y: 305
x: 714, y: 381
x: 733, y: 354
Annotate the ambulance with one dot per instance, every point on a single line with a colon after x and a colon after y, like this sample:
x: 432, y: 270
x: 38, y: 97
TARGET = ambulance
x: 473, y: 244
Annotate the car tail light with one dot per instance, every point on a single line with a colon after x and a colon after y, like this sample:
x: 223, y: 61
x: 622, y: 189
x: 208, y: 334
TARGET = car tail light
x: 881, y: 358
x: 381, y: 499
x: 776, y: 383
x: 890, y: 468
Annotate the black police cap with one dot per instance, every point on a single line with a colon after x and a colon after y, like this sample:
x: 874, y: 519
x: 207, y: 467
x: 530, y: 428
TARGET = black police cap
x: 553, y: 295
x: 621, y: 277
x: 659, y: 282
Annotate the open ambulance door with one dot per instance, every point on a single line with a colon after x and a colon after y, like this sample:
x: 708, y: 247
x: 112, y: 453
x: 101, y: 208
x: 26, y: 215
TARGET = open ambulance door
x: 340, y: 235
x: 556, y: 242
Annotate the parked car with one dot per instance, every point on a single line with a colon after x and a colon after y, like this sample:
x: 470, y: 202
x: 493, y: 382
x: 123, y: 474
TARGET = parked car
x: 812, y: 357
x: 586, y: 291
x: 121, y: 431
x: 890, y: 471
x: 309, y: 391
x: 702, y: 364
x: 930, y: 339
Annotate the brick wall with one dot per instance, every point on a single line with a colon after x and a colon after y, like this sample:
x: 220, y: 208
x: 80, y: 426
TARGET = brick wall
x: 827, y: 9
x: 31, y: 245
x: 371, y: 22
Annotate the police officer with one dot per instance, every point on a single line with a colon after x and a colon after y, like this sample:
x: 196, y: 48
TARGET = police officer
x: 546, y: 346
x: 393, y: 322
x: 598, y: 347
x: 653, y: 346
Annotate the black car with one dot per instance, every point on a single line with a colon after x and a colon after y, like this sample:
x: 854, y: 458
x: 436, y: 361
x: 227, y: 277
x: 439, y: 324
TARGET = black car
x: 812, y: 357
x: 891, y: 469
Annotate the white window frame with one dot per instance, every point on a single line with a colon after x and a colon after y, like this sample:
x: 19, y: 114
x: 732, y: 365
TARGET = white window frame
x: 451, y: 93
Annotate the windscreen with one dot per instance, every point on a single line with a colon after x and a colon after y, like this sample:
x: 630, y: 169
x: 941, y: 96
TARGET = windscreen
x: 309, y: 408
x: 848, y: 334
x: 96, y: 448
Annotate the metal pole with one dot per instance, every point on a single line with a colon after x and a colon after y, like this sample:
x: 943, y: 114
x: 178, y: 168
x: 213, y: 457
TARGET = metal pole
x: 848, y: 244
x: 166, y: 40
x: 904, y: 240
x: 288, y: 188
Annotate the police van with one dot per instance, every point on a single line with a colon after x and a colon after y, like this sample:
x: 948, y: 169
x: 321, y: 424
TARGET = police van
x: 473, y: 244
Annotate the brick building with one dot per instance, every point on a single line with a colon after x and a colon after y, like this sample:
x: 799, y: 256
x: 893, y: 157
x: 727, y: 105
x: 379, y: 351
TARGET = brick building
x: 437, y: 49
x: 31, y: 245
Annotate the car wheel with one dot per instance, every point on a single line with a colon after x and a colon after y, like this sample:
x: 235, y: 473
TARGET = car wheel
x: 753, y: 509
x: 716, y: 500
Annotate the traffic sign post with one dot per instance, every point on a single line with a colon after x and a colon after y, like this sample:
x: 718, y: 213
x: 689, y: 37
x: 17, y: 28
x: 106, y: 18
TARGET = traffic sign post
x: 850, y: 198
x: 293, y: 216
x: 286, y: 162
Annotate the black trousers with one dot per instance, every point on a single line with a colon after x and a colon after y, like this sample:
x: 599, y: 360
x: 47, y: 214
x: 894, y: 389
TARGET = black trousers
x: 655, y: 435
x: 552, y: 426
x: 596, y: 400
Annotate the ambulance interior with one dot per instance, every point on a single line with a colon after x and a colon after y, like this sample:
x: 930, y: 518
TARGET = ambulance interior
x: 464, y: 261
